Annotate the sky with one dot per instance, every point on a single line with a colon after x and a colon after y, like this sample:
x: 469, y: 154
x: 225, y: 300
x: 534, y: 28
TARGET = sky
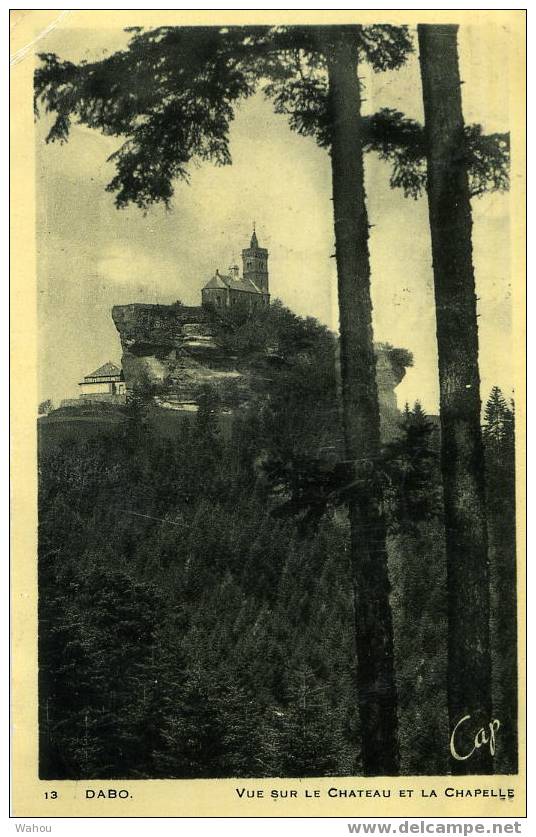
x: 92, y: 256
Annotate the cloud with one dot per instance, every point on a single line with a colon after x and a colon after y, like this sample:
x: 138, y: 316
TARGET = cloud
x: 126, y: 263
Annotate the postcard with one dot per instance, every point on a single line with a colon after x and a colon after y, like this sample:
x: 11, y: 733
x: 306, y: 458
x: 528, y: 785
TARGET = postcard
x: 268, y: 413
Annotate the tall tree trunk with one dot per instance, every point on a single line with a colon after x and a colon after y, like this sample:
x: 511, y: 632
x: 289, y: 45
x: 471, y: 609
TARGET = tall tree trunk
x: 462, y: 458
x: 373, y: 624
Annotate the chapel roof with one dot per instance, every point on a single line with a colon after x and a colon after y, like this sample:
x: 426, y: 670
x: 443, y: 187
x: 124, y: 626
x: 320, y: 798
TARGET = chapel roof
x: 233, y: 283
x: 215, y: 282
x: 242, y: 284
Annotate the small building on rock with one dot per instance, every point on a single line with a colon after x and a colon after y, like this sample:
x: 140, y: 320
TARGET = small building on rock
x: 107, y: 383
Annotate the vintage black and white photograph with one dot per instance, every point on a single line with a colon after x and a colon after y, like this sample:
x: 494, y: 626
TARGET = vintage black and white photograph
x: 277, y: 400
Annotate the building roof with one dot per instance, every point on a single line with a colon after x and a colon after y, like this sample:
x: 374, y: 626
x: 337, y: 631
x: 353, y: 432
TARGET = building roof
x: 254, y: 249
x: 215, y: 282
x: 242, y: 284
x: 107, y: 370
x: 233, y: 283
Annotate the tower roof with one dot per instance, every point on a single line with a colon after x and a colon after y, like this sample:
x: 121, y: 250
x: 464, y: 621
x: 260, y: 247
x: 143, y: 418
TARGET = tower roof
x: 254, y: 244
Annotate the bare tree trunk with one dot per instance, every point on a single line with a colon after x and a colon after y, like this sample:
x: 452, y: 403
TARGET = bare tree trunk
x: 462, y: 458
x: 373, y: 624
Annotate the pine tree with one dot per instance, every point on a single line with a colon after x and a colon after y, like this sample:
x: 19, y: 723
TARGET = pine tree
x: 411, y: 465
x: 311, y: 741
x: 498, y: 426
x: 417, y: 566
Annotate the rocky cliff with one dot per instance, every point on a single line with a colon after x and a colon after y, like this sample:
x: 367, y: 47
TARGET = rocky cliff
x: 173, y: 349
x: 177, y: 349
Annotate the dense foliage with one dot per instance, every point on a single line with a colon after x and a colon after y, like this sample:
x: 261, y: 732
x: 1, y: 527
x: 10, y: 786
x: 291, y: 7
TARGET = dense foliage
x: 172, y: 95
x: 499, y: 439
x: 196, y: 622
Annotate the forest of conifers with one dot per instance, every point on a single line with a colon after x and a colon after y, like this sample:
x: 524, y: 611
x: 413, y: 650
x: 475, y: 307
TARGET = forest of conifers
x: 195, y: 596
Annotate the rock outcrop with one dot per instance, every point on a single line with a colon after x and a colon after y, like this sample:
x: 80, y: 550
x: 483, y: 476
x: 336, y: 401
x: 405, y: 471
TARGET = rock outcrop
x: 175, y: 350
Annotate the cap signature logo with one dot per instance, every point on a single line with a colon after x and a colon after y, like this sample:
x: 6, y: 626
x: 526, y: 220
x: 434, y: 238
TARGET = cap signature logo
x: 486, y: 735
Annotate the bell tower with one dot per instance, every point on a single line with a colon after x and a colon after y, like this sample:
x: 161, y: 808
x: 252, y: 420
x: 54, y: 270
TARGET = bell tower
x: 255, y: 262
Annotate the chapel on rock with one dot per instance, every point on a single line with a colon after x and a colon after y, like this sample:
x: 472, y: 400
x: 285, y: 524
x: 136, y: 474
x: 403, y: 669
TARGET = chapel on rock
x: 250, y: 290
